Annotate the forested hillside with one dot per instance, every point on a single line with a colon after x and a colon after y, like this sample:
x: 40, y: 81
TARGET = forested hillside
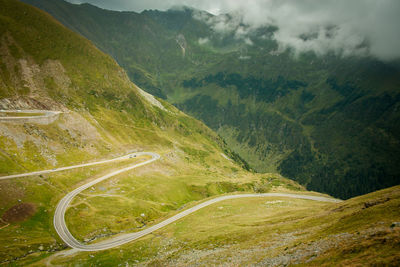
x: 329, y: 122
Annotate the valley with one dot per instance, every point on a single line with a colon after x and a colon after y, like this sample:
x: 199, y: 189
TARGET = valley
x: 101, y: 166
x: 319, y: 120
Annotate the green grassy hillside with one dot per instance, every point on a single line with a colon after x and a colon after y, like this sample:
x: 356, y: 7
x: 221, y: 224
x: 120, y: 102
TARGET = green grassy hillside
x: 271, y: 232
x: 330, y: 122
x: 46, y: 66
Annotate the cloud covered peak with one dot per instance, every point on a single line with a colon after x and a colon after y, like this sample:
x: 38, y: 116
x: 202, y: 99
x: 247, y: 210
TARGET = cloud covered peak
x: 356, y: 27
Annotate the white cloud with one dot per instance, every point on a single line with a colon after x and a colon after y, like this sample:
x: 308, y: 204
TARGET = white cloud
x: 203, y: 41
x: 361, y: 27
x: 248, y: 41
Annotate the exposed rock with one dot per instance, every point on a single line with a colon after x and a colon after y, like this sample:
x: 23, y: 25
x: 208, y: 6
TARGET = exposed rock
x: 151, y: 99
x: 395, y: 224
x: 375, y: 202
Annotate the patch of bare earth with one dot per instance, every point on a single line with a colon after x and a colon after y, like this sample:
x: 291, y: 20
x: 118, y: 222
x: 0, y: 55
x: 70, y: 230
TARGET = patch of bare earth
x: 19, y: 212
x: 9, y: 192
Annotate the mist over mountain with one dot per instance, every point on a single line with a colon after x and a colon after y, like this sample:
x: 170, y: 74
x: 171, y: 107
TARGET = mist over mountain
x: 94, y: 171
x: 363, y: 28
x: 327, y: 118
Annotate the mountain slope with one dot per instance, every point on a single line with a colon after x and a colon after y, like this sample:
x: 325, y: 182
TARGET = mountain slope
x: 45, y: 66
x: 360, y: 231
x: 331, y: 123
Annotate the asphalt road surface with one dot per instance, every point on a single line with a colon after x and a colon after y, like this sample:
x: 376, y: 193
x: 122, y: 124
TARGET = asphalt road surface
x: 68, y: 168
x: 62, y: 230
x: 42, y: 114
x: 59, y: 216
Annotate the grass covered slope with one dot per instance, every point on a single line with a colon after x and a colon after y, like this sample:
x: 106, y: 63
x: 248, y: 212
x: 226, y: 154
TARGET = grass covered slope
x: 330, y: 122
x: 52, y: 68
x: 270, y: 232
x: 45, y: 66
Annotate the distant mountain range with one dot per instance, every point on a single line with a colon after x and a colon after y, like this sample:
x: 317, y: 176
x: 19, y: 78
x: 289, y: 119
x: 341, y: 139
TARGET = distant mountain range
x: 71, y: 123
x: 331, y: 123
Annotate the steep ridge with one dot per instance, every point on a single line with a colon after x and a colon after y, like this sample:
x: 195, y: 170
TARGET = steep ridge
x: 101, y: 115
x: 329, y: 122
x: 46, y: 67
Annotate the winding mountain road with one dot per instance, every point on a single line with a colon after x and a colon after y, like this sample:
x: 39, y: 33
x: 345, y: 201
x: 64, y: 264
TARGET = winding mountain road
x: 68, y: 168
x: 126, y: 238
x: 70, y: 240
x: 59, y: 215
x: 33, y: 115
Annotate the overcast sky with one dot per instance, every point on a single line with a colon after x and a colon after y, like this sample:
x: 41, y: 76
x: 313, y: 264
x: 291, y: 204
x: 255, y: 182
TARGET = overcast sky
x: 346, y: 27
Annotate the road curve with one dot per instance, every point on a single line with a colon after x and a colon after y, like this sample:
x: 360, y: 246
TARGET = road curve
x: 59, y: 215
x: 62, y: 230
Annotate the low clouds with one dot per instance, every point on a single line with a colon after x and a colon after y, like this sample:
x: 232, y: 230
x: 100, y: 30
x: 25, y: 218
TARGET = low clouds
x: 203, y: 41
x: 356, y: 27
